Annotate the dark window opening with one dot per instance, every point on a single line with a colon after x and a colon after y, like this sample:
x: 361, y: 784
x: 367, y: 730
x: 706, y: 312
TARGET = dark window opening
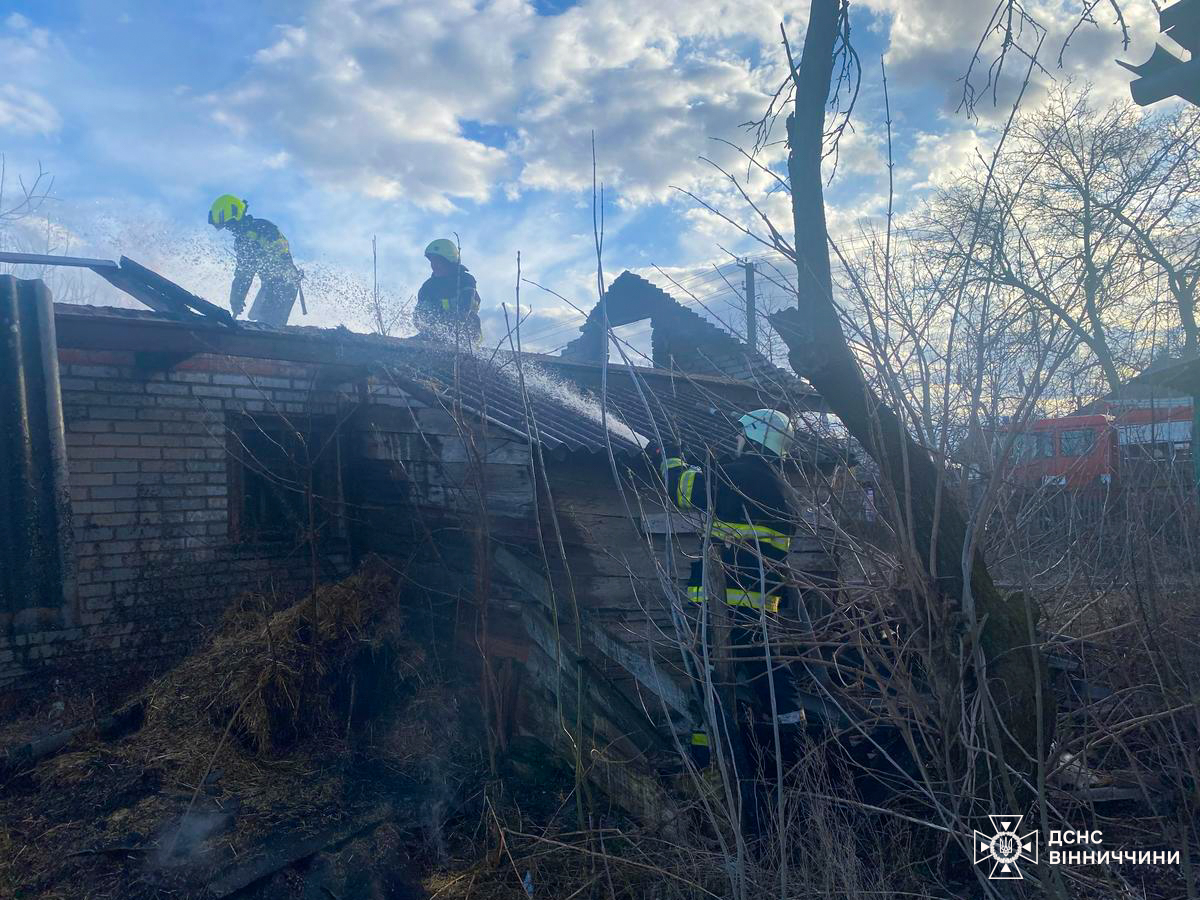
x: 1077, y: 442
x: 285, y: 480
x: 1033, y: 445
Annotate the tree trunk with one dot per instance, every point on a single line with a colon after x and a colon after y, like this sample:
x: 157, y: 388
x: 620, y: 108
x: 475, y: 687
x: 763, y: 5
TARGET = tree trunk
x: 819, y: 352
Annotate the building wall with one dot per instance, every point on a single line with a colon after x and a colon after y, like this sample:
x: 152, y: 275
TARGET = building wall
x: 150, y: 470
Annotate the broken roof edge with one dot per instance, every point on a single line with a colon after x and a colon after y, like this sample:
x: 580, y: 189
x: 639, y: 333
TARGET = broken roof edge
x: 653, y: 302
x: 314, y: 332
x: 416, y: 365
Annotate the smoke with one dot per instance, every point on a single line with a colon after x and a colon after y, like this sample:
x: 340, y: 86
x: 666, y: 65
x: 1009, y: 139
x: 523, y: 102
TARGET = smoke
x: 182, y: 842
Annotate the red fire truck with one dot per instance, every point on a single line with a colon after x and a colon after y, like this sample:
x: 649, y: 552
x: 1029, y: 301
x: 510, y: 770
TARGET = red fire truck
x: 1074, y: 452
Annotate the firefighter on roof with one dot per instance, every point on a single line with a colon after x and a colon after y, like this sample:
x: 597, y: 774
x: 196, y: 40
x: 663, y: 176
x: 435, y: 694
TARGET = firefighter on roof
x: 261, y: 250
x: 447, y: 304
x: 753, y: 524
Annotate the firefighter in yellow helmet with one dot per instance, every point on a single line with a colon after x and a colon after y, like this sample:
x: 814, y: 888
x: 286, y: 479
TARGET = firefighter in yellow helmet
x: 447, y: 303
x: 262, y: 250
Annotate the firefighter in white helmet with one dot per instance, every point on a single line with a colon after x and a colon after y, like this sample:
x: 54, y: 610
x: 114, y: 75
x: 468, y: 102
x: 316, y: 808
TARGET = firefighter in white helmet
x: 753, y: 523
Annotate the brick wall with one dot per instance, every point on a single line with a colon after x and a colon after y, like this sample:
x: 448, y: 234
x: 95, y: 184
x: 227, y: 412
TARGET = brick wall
x: 150, y: 474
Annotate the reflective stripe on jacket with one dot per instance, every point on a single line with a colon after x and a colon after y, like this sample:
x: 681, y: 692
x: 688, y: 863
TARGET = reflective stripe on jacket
x: 752, y: 522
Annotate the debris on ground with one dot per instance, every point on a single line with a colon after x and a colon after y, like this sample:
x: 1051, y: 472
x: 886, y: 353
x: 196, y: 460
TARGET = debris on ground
x: 292, y: 733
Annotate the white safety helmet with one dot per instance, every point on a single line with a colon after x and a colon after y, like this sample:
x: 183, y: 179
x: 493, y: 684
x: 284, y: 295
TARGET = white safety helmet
x: 769, y: 428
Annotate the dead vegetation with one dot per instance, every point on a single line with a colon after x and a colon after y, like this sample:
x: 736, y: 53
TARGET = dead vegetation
x: 292, y: 730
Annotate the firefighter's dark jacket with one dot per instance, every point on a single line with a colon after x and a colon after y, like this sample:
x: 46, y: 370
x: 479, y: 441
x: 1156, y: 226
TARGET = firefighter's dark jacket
x: 751, y: 520
x: 448, y: 303
x: 261, y: 250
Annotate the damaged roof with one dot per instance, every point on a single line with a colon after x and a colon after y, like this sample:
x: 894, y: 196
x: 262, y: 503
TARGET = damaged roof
x: 680, y: 338
x: 560, y: 406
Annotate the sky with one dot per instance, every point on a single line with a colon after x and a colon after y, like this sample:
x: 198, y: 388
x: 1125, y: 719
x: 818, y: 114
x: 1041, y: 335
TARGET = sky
x: 345, y: 121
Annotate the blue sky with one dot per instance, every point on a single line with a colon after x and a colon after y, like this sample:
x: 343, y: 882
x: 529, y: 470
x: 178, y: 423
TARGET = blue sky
x: 340, y: 120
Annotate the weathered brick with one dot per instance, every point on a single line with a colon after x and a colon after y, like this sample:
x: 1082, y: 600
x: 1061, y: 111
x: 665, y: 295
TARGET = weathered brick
x: 159, y: 388
x: 159, y: 414
x: 127, y: 574
x: 94, y: 480
x: 191, y: 426
x: 94, y: 452
x: 112, y: 412
x: 116, y: 439
x: 95, y: 371
x: 206, y: 515
x: 114, y: 519
x: 92, y: 533
x: 241, y: 380
x: 115, y: 465
x: 127, y: 400
x: 183, y: 503
x: 158, y: 440
x: 199, y: 440
x: 120, y: 386
x: 139, y: 427
x: 221, y: 393
x: 205, y: 466
x: 191, y: 377
x: 134, y: 532
x: 184, y: 478
x: 115, y: 493
x: 181, y: 403
x: 161, y: 465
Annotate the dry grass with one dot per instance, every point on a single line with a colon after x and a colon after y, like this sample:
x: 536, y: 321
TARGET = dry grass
x: 289, y: 721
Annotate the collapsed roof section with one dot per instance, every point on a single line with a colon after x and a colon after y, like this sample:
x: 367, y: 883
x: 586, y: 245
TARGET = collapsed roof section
x: 681, y: 339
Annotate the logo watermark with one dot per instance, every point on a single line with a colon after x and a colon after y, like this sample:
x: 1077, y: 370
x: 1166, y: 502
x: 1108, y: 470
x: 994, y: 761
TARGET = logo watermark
x: 1006, y: 848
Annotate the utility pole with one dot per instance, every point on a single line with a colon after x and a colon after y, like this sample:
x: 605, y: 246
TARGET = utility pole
x: 751, y: 315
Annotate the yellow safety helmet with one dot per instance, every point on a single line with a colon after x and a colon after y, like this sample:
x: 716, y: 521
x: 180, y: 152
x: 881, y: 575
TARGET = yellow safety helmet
x: 446, y: 249
x: 226, y: 208
x: 769, y: 428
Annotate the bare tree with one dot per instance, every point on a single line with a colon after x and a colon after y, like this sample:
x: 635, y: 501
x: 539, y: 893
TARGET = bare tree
x: 1086, y: 218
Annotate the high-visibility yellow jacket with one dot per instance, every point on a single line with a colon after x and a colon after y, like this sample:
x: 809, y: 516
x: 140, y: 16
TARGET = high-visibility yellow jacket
x: 261, y: 250
x: 751, y: 520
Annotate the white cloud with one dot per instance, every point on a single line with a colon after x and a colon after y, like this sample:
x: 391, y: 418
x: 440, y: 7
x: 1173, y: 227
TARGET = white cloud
x: 438, y: 102
x: 23, y: 111
x: 932, y: 42
x: 936, y: 156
